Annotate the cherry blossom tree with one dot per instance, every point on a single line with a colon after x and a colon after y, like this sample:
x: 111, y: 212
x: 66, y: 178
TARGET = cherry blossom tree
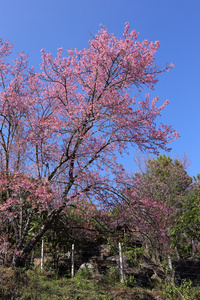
x: 62, y: 129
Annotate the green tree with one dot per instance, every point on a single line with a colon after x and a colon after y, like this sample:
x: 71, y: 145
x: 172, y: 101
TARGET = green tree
x: 166, y: 181
x: 186, y: 234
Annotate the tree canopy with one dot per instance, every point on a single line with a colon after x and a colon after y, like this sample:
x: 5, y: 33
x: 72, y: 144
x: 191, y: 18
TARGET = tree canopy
x: 61, y: 128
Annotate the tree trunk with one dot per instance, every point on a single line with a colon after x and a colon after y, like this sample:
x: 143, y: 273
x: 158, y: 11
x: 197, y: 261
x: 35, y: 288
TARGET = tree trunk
x: 42, y: 255
x: 72, y: 256
x: 121, y: 265
x: 20, y: 260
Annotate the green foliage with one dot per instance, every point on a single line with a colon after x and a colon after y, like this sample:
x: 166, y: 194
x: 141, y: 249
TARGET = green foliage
x: 130, y: 281
x: 134, y: 255
x: 185, y: 289
x: 184, y: 292
x: 168, y: 179
x: 113, y: 246
x: 35, y: 285
x: 112, y: 275
x: 169, y: 292
x: 84, y: 273
x: 187, y: 227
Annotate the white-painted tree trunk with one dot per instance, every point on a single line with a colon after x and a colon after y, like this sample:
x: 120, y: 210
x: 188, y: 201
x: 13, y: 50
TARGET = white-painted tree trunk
x: 72, y: 271
x: 121, y: 265
x: 171, y: 269
x: 169, y: 262
x: 42, y: 255
x: 193, y: 248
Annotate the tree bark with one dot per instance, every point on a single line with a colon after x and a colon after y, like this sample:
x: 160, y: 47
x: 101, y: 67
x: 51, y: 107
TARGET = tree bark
x: 72, y: 256
x: 20, y: 260
x: 42, y: 255
x: 121, y: 265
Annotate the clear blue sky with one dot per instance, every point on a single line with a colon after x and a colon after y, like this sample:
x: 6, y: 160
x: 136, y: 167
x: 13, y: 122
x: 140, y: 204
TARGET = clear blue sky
x: 35, y: 24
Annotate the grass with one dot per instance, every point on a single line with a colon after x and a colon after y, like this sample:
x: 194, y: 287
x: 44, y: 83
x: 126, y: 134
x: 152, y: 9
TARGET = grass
x: 34, y: 285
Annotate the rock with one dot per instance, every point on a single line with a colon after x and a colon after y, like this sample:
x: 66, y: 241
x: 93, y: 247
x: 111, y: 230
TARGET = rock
x: 37, y: 261
x: 152, y: 269
x: 64, y: 267
x: 91, y: 270
x: 188, y: 269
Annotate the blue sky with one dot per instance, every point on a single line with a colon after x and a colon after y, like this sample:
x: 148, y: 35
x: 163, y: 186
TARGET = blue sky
x: 50, y: 24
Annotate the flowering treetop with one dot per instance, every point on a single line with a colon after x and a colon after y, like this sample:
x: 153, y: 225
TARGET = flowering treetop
x: 64, y: 126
